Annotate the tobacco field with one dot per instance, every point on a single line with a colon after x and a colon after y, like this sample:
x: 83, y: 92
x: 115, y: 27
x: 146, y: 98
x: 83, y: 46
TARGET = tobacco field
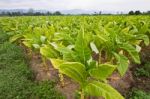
x: 90, y: 54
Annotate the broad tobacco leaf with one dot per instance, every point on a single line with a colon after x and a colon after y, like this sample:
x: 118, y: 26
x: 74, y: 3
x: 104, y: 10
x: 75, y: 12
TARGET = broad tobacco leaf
x: 81, y: 48
x: 102, y: 71
x: 122, y: 62
x: 96, y: 88
x: 56, y: 62
x: 74, y: 70
x: 68, y: 54
x: 143, y: 37
x: 48, y: 51
x: 132, y: 52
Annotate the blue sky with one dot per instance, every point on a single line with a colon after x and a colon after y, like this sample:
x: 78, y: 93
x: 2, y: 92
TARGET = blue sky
x: 109, y: 5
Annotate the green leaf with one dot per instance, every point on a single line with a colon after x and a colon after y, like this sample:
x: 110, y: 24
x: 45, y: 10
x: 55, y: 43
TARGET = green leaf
x: 68, y: 54
x: 96, y: 88
x: 74, y: 70
x: 98, y: 42
x: 63, y: 37
x: 27, y: 44
x: 125, y: 30
x: 36, y: 46
x: 102, y: 71
x: 143, y: 37
x: 32, y: 40
x: 48, y: 51
x: 15, y: 37
x: 102, y: 38
x: 43, y: 39
x: 81, y: 48
x: 122, y: 62
x: 132, y: 52
x: 56, y: 62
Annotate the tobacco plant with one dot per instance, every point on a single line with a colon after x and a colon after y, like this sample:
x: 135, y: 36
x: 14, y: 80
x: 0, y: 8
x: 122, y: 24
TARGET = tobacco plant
x: 87, y: 49
x: 78, y: 64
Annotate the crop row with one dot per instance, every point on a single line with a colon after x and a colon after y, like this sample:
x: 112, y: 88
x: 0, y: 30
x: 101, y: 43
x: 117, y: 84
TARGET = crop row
x: 87, y: 49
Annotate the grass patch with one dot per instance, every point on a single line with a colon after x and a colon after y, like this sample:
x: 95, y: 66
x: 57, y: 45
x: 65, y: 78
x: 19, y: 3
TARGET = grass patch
x: 3, y: 37
x: 14, y: 73
x: 143, y: 71
x: 46, y: 90
x: 16, y: 78
x: 139, y: 94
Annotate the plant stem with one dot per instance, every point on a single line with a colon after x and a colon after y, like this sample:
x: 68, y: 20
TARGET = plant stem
x: 99, y: 58
x: 44, y: 62
x: 30, y: 53
x: 82, y: 94
x: 106, y: 56
x: 61, y: 80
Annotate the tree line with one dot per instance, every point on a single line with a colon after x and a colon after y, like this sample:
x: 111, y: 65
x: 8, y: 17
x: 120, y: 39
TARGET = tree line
x: 138, y: 13
x: 31, y: 12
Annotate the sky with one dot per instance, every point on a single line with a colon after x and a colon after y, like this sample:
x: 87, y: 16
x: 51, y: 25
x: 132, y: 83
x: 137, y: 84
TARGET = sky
x: 108, y: 5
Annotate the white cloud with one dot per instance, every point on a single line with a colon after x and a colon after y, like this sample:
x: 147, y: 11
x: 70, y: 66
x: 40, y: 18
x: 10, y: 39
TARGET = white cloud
x: 113, y: 5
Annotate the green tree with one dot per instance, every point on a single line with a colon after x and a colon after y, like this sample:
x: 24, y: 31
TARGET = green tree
x: 137, y: 12
x: 131, y: 13
x: 57, y: 13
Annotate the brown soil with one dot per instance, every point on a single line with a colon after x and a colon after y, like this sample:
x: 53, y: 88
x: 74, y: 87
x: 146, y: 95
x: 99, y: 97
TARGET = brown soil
x: 39, y: 69
x: 143, y: 83
x: 42, y: 73
x: 145, y: 54
x: 69, y: 89
x: 122, y: 84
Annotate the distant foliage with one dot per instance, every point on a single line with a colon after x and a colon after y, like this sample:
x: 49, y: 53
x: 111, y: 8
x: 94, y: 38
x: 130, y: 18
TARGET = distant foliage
x: 138, y: 12
x: 139, y: 94
x: 143, y: 71
x: 31, y: 12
